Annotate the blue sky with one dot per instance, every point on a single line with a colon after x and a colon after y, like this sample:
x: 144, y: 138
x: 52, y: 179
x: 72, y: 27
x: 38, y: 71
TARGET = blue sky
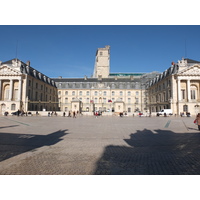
x: 69, y: 50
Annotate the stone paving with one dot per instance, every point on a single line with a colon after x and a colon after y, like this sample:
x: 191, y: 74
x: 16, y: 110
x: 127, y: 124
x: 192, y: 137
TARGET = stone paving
x: 99, y: 146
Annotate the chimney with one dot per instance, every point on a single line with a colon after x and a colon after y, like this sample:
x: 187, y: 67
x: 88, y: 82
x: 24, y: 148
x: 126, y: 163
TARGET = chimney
x: 28, y: 63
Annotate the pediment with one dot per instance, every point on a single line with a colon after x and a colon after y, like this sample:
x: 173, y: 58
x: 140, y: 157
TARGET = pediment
x: 193, y: 70
x: 5, y: 70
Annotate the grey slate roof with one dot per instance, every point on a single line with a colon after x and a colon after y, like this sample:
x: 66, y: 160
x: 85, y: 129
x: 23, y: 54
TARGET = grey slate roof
x: 25, y: 69
x: 191, y: 61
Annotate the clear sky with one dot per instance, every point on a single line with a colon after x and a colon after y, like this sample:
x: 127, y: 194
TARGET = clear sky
x: 69, y: 51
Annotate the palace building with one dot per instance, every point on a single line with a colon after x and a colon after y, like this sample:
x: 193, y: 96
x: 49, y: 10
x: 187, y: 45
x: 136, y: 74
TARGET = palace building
x: 104, y: 91
x: 26, y: 89
x: 177, y: 88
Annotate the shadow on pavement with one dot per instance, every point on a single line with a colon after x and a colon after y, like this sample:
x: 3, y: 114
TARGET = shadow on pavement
x: 160, y: 152
x: 8, y: 126
x: 15, y: 144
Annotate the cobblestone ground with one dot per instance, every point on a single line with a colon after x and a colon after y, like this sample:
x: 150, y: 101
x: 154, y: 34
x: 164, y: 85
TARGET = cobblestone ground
x: 100, y: 146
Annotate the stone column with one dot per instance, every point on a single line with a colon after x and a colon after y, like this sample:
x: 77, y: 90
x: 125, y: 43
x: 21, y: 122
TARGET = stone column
x: 11, y: 90
x: 19, y: 89
x: 188, y: 90
x: 179, y: 89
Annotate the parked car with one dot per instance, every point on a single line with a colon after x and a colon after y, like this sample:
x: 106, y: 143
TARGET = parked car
x: 167, y: 111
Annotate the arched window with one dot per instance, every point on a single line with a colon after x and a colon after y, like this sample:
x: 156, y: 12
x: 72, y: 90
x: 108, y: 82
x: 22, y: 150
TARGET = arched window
x: 6, y: 92
x: 13, y: 106
x: 185, y: 108
x: 193, y: 92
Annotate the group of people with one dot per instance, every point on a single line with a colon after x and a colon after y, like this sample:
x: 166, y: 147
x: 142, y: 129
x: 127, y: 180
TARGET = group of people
x: 97, y: 113
x: 51, y: 114
x: 70, y: 114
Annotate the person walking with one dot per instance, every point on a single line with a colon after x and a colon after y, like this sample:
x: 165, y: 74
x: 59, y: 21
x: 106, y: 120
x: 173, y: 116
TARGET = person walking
x: 198, y: 120
x: 74, y: 114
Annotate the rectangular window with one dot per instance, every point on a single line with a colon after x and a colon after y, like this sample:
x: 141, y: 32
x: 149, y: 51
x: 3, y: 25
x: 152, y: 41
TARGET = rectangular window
x: 36, y: 96
x: 193, y: 94
x: 29, y: 94
x: 15, y: 94
x: 13, y: 107
x: 185, y: 108
x: 183, y: 94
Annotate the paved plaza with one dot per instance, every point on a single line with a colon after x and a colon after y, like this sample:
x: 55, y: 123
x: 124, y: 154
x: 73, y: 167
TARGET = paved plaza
x: 99, y: 146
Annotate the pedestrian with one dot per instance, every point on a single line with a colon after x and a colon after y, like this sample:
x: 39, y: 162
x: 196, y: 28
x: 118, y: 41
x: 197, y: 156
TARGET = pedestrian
x: 18, y: 112
x: 198, y: 120
x: 64, y: 114
x: 74, y: 114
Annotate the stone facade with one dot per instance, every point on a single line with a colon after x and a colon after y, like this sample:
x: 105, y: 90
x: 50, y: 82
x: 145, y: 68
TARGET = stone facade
x: 102, y: 94
x: 24, y: 88
x: 105, y: 91
x: 177, y: 88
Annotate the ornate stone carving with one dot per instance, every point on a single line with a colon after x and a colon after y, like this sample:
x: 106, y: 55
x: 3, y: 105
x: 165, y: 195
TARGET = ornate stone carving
x: 191, y: 71
x: 8, y: 71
